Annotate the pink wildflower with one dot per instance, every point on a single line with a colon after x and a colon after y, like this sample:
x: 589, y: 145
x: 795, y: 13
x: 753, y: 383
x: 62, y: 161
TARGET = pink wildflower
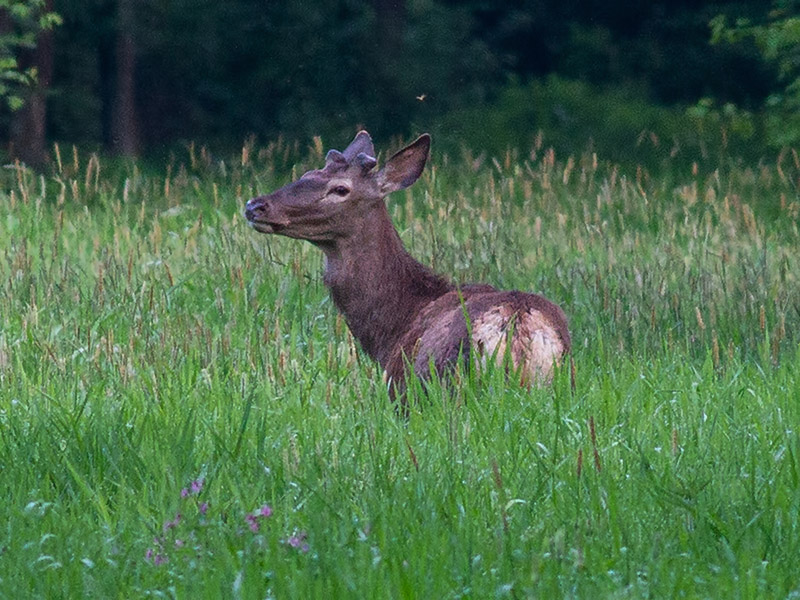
x: 298, y: 540
x: 155, y: 557
x: 252, y: 522
x: 173, y: 523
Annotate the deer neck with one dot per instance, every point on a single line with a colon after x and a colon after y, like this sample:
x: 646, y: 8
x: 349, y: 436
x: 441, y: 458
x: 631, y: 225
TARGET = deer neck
x: 377, y: 285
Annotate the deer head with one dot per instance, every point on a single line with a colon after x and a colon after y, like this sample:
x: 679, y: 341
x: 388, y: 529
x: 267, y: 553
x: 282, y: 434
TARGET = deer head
x: 329, y: 204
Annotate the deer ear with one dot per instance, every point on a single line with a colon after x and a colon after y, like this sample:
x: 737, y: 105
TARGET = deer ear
x: 405, y: 167
x: 362, y: 143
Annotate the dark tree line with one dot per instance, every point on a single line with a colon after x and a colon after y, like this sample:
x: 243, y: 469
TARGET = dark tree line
x: 137, y: 75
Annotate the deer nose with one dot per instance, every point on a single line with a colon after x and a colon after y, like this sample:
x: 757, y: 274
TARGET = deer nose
x: 255, y: 208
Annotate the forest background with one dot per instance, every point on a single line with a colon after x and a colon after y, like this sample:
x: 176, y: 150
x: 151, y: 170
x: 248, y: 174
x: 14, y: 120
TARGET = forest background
x: 632, y: 80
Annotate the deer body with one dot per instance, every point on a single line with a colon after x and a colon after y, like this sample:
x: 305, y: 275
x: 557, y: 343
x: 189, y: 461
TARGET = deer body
x: 403, y: 314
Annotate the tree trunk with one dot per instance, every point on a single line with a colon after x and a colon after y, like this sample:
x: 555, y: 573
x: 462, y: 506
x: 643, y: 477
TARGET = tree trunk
x: 29, y: 126
x: 124, y: 123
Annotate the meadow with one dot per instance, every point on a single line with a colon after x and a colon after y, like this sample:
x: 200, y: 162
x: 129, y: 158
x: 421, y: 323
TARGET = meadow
x: 184, y: 415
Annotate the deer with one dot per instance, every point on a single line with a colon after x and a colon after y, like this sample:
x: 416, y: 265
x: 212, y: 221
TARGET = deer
x: 404, y: 315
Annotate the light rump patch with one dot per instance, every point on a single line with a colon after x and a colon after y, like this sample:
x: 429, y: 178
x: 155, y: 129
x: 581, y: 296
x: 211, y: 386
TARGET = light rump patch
x: 536, y: 346
x: 474, y: 324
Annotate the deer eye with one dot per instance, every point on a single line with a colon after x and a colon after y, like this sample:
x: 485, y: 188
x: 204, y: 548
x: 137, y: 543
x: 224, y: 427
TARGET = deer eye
x: 340, y: 190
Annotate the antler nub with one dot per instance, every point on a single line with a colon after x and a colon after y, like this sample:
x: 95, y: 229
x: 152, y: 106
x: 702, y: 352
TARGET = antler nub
x: 365, y: 161
x: 334, y: 156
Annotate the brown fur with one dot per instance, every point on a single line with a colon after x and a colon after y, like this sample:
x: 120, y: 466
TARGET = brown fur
x: 401, y: 312
x: 440, y: 333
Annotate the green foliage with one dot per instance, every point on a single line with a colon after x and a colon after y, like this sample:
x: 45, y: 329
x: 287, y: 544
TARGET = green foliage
x: 620, y: 123
x: 166, y: 372
x: 27, y: 18
x: 222, y: 71
x: 778, y: 41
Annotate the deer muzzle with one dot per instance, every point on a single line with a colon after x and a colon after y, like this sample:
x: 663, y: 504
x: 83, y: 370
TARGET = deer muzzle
x: 263, y: 217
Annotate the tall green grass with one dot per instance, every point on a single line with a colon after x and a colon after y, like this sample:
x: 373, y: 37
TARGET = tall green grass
x: 166, y: 374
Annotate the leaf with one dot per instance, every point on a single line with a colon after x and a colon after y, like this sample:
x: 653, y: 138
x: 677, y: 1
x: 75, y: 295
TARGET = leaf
x: 50, y: 20
x: 20, y: 10
x: 8, y: 62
